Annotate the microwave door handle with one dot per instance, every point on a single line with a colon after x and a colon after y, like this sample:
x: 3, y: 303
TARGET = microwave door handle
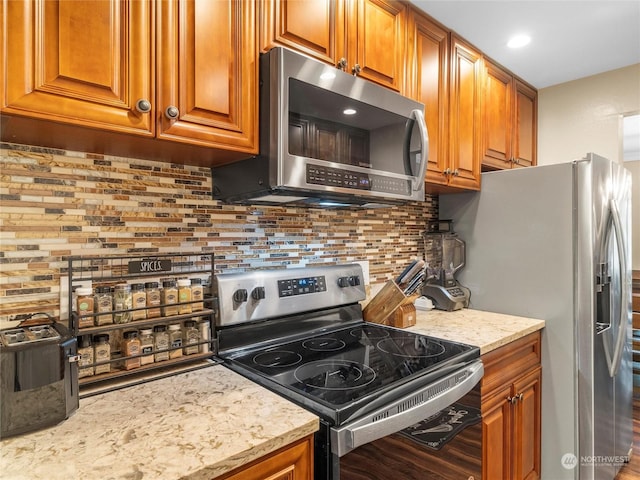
x: 418, y: 116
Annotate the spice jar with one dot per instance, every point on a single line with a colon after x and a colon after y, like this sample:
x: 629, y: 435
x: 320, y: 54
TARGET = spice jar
x: 197, y: 294
x: 102, y: 353
x: 160, y: 343
x: 146, y: 346
x: 103, y: 300
x: 169, y: 298
x: 191, y: 337
x: 122, y: 303
x: 84, y: 306
x: 153, y: 299
x: 131, y: 346
x: 85, y: 351
x: 175, y: 340
x: 184, y: 295
x: 139, y: 301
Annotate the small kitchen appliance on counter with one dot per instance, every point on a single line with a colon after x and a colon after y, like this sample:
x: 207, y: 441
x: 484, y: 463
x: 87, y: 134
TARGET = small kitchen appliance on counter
x: 444, y: 254
x: 300, y: 332
x: 39, y: 377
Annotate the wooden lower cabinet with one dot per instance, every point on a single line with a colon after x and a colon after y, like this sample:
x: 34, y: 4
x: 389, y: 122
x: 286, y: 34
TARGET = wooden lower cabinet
x: 293, y: 462
x: 511, y: 409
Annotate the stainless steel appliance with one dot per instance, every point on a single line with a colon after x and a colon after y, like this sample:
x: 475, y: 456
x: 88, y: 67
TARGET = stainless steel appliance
x: 328, y: 138
x: 444, y: 255
x: 553, y: 242
x: 38, y: 377
x: 300, y: 333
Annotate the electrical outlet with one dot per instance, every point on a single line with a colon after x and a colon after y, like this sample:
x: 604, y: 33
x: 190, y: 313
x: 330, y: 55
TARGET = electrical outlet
x: 365, y: 270
x: 64, y: 298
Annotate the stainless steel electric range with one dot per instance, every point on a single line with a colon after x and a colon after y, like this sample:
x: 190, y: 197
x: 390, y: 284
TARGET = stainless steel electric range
x: 300, y: 333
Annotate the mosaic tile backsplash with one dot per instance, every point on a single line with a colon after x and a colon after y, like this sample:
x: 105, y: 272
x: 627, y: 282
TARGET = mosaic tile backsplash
x: 56, y: 203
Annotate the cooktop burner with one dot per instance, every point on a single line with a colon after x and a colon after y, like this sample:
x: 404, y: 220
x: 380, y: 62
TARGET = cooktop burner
x: 349, y: 364
x: 334, y: 375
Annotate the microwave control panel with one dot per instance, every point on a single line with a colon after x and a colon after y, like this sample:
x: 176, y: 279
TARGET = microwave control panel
x: 343, y: 178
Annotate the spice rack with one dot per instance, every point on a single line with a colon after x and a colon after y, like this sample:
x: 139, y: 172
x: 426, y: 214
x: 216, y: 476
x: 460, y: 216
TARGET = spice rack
x: 88, y: 313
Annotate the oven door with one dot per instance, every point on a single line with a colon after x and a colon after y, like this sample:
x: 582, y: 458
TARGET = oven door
x: 434, y: 433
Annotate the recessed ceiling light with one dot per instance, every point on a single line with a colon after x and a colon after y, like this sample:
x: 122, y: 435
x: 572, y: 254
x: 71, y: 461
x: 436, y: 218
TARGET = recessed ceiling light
x: 518, y: 41
x: 349, y: 111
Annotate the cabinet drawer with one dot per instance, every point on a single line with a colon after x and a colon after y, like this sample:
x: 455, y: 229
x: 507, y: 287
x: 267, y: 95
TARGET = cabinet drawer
x: 506, y: 363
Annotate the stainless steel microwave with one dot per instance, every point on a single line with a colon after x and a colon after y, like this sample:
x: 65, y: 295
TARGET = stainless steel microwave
x: 328, y: 138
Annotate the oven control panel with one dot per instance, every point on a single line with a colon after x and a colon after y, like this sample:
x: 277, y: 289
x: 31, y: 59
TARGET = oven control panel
x: 301, y: 286
x: 263, y: 294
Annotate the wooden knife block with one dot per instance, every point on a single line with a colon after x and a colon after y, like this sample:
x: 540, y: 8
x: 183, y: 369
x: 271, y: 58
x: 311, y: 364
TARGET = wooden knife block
x: 391, y: 307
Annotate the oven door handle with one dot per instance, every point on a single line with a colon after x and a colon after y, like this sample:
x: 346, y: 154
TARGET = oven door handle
x: 406, y: 411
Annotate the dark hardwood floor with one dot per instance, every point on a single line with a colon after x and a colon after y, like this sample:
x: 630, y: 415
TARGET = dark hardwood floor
x: 631, y: 471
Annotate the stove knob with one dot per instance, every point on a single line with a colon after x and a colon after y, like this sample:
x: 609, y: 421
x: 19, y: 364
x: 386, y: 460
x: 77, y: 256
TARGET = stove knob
x: 240, y: 295
x: 354, y: 281
x: 343, y: 282
x: 257, y: 293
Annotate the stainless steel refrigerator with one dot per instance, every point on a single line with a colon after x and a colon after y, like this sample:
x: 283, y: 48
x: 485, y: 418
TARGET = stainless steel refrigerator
x: 554, y: 242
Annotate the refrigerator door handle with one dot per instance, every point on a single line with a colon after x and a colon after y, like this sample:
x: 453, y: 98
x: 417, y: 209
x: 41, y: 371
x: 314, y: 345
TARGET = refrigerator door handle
x: 613, y: 220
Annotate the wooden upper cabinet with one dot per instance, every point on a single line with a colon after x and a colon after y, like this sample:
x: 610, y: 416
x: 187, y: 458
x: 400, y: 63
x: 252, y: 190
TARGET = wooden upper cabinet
x: 525, y: 142
x: 363, y: 36
x: 313, y: 27
x: 509, y: 120
x: 428, y: 82
x: 376, y: 39
x: 465, y: 116
x: 93, y: 63
x: 498, y: 117
x: 207, y: 72
x: 84, y: 62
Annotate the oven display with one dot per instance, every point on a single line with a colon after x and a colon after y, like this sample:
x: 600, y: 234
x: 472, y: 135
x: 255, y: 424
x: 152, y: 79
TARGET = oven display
x: 301, y: 286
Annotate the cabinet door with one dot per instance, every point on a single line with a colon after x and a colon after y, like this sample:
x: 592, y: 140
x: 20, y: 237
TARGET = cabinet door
x: 497, y: 117
x: 526, y: 128
x: 496, y: 434
x: 526, y: 427
x: 428, y: 82
x: 465, y: 125
x: 314, y: 27
x: 294, y: 462
x: 81, y: 62
x: 376, y: 38
x: 208, y: 70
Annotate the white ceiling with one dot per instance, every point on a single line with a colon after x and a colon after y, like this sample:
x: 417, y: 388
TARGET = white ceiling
x: 571, y: 39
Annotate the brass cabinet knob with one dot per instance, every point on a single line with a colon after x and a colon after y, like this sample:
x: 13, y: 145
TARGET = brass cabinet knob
x: 172, y: 112
x: 143, y: 105
x: 356, y: 69
x: 342, y: 64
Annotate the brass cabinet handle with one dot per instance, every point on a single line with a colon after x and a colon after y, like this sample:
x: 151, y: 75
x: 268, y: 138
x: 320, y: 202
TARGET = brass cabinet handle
x: 342, y: 64
x: 515, y: 398
x: 356, y: 69
x: 456, y: 172
x: 447, y: 171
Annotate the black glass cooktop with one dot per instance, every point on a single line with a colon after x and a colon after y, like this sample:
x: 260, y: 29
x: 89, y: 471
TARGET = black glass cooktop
x: 349, y: 366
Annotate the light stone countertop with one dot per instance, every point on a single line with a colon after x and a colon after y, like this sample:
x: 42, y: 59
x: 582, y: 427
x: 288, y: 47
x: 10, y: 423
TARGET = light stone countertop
x: 201, y: 424
x: 486, y: 330
x: 194, y: 425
